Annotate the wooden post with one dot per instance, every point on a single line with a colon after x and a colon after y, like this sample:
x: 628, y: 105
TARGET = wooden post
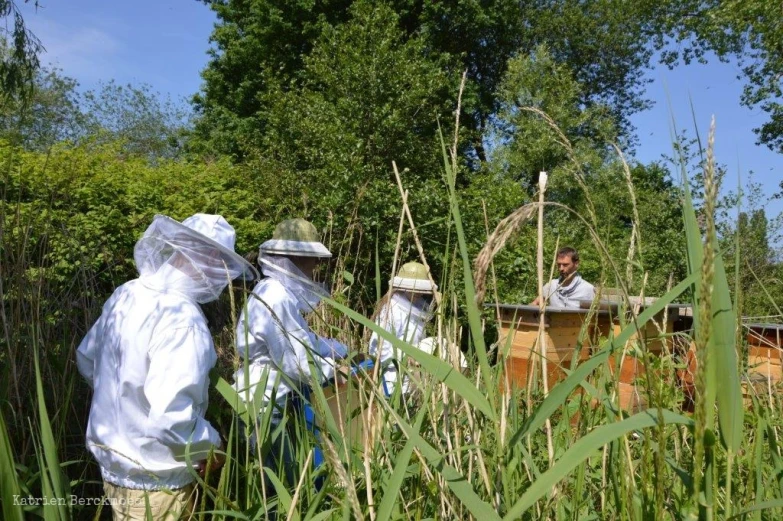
x: 542, y: 178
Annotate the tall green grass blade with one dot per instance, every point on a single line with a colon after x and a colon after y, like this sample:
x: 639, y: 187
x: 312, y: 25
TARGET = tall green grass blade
x: 282, y: 493
x: 560, y: 392
x: 583, y: 449
x: 722, y: 353
x: 377, y: 270
x: 737, y: 247
x: 224, y: 484
x: 458, y: 484
x: 723, y: 358
x: 474, y: 316
x: 51, y: 469
x: 226, y: 513
x: 322, y: 515
x: 764, y: 505
x: 317, y: 503
x: 439, y: 369
x: 147, y: 508
x: 9, y: 485
x: 758, y: 462
x: 392, y: 488
x: 324, y: 413
x: 777, y: 461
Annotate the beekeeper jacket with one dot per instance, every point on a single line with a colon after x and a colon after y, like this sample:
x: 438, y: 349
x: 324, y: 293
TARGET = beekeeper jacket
x: 400, y: 317
x: 274, y: 339
x: 148, y: 357
x: 405, y: 320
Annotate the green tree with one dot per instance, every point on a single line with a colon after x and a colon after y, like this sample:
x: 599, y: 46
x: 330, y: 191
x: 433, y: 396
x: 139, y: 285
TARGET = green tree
x: 370, y: 97
x: 148, y: 123
x: 257, y: 43
x: 746, y: 30
x: 542, y: 125
x: 19, y: 56
x: 260, y: 47
x: 55, y: 111
x: 759, y: 273
x: 748, y: 234
x: 50, y: 114
x: 537, y: 94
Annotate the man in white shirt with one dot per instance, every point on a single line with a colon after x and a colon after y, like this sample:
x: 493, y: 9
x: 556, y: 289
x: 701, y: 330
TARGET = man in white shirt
x: 570, y: 288
x: 147, y: 359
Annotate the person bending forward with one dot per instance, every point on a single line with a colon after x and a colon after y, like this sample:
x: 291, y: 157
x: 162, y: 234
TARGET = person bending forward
x: 147, y: 359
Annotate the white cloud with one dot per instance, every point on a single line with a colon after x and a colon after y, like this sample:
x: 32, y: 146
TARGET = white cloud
x: 87, y: 53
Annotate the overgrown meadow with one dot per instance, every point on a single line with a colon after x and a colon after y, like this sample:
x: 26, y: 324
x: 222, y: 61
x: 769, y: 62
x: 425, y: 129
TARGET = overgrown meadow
x: 462, y: 444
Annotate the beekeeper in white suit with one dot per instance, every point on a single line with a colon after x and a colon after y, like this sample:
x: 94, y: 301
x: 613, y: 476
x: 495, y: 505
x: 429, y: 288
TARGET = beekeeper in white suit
x: 147, y: 359
x: 404, y: 312
x: 277, y: 346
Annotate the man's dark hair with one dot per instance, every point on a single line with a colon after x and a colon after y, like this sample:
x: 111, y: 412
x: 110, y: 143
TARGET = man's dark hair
x: 568, y: 251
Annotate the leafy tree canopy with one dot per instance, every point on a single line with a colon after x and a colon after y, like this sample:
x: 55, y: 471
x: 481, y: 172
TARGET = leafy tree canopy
x: 20, y: 49
x: 261, y: 47
x: 541, y: 125
x: 55, y: 111
x: 747, y: 30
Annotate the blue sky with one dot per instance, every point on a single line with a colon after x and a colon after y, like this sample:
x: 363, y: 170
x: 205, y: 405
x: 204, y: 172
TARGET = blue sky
x: 164, y: 43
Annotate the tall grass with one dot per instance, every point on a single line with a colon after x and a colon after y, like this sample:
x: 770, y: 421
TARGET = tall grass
x: 461, y: 445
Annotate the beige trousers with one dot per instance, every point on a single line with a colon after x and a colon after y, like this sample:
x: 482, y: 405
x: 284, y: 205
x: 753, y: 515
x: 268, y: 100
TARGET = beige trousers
x: 165, y: 505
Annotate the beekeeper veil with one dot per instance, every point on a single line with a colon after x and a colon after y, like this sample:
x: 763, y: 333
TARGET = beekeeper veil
x: 195, y: 258
x: 294, y: 238
x: 411, y: 282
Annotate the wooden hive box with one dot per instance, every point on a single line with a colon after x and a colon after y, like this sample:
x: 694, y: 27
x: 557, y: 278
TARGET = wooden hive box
x: 518, y: 338
x: 764, y: 355
x: 518, y: 333
x: 348, y: 402
x: 765, y: 370
x: 632, y: 397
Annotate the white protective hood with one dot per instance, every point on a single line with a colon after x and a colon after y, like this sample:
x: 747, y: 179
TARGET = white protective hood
x: 195, y: 258
x: 279, y: 267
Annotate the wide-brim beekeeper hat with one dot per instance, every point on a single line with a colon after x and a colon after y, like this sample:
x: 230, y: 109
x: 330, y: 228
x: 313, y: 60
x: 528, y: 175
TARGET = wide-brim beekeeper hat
x: 295, y: 238
x: 202, y: 245
x: 413, y: 277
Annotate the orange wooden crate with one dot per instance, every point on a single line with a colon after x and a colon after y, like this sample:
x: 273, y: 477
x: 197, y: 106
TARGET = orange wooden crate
x: 765, y: 367
x: 348, y: 404
x: 765, y: 364
x: 518, y: 334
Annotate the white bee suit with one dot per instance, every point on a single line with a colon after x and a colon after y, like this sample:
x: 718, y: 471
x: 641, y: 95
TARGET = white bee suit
x: 274, y: 339
x: 149, y: 354
x: 148, y: 358
x: 404, y: 319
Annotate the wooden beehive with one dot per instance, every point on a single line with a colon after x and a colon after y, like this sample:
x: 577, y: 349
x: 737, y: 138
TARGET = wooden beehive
x: 656, y: 335
x: 765, y: 370
x: 764, y: 354
x: 348, y: 402
x: 518, y: 339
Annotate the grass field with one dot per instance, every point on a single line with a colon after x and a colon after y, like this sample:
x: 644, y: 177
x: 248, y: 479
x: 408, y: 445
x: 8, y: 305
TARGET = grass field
x: 461, y: 445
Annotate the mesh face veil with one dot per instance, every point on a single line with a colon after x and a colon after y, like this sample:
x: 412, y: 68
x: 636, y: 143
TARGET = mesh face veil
x: 279, y: 267
x: 419, y: 308
x: 172, y: 256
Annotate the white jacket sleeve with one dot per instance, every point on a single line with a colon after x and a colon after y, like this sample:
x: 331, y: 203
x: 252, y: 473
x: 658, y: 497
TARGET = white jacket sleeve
x: 400, y: 323
x: 176, y: 388
x: 249, y: 333
x: 288, y: 339
x: 385, y: 319
x: 86, y: 352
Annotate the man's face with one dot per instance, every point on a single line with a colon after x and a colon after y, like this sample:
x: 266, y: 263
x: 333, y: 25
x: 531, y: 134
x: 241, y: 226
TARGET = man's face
x: 306, y: 264
x: 566, y: 266
x: 423, y: 300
